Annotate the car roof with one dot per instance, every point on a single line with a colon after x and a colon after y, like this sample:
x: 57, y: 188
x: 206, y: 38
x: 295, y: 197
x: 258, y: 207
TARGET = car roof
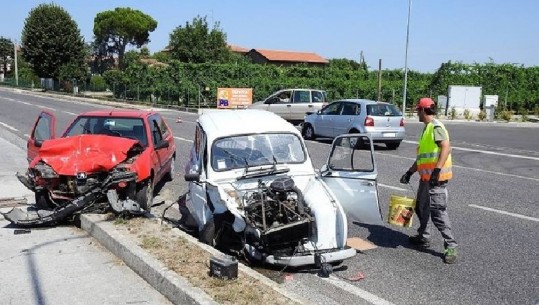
x: 124, y: 113
x: 360, y: 101
x: 224, y: 122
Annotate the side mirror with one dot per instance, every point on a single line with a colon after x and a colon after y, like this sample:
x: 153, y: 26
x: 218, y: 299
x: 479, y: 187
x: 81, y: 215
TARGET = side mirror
x: 192, y: 177
x: 162, y: 144
x: 318, y: 112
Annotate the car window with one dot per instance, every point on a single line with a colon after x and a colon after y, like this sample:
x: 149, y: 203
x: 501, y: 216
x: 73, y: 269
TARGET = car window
x: 162, y: 126
x: 331, y: 109
x: 132, y: 128
x: 347, y: 155
x: 302, y: 96
x: 43, y: 129
x: 383, y: 110
x: 257, y: 149
x: 318, y: 97
x: 156, y: 132
x: 350, y: 109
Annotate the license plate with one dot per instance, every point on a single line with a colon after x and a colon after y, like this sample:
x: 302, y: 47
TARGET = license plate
x: 389, y: 134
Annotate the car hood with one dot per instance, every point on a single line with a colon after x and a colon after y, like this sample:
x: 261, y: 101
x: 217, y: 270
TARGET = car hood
x: 84, y: 153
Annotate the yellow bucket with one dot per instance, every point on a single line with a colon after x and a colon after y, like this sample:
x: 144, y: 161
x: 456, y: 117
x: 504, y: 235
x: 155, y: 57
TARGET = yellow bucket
x: 401, y: 211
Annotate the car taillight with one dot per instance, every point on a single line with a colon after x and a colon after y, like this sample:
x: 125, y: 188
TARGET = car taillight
x: 369, y: 121
x: 402, y: 122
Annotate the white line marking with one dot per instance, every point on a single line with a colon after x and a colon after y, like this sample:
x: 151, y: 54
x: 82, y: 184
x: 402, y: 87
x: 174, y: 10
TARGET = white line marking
x: 27, y: 135
x: 26, y: 103
x: 182, y: 139
x: 392, y: 187
x: 486, y: 152
x: 45, y: 107
x: 365, y: 295
x: 71, y: 113
x: 9, y: 126
x: 504, y: 212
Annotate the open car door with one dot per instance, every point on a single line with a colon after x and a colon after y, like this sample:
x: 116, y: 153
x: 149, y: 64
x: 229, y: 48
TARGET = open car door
x: 44, y: 129
x: 351, y: 175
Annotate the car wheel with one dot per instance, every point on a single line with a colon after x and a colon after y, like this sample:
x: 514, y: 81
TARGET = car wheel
x: 171, y: 172
x: 144, y: 196
x: 393, y: 145
x: 43, y: 201
x: 308, y: 132
x: 207, y: 234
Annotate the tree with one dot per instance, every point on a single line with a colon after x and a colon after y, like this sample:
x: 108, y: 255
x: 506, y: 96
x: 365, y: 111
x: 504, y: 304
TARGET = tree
x: 50, y: 40
x: 6, y: 53
x: 196, y: 43
x: 121, y: 27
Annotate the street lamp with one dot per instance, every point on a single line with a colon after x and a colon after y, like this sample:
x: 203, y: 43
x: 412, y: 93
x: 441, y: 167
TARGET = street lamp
x: 406, y: 58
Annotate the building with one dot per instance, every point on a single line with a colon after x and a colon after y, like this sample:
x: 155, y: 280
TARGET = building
x: 286, y: 58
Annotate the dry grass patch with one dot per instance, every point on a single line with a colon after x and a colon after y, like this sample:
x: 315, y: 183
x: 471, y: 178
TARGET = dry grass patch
x: 192, y: 263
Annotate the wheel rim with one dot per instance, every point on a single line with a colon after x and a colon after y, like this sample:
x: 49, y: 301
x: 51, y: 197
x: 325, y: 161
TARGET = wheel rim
x: 309, y: 132
x: 172, y: 170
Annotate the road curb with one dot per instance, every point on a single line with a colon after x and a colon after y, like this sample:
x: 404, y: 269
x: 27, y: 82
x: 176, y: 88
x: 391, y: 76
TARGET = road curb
x: 174, y: 287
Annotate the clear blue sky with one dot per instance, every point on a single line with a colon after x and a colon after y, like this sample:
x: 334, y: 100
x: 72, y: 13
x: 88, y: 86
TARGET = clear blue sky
x: 459, y: 30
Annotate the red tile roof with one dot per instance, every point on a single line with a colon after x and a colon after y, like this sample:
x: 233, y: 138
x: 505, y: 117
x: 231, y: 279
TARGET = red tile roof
x: 275, y: 55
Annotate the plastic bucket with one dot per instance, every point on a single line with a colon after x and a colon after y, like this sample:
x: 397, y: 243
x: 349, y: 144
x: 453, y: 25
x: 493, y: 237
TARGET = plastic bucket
x: 401, y: 211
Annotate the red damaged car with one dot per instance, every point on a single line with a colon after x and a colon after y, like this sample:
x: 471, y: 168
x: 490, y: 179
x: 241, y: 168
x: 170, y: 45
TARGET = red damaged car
x: 104, y: 159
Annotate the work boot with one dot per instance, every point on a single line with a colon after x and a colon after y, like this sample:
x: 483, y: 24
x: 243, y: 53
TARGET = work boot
x: 419, y: 241
x: 450, y: 256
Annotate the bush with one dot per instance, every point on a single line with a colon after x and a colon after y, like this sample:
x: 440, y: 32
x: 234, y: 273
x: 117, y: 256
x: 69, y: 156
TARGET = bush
x: 482, y: 115
x: 453, y: 113
x: 97, y: 83
x: 467, y: 114
x: 506, y: 115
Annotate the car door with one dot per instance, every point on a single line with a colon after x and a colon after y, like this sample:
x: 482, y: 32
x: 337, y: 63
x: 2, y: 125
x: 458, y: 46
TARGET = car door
x: 159, y: 155
x: 198, y: 202
x: 44, y: 129
x: 351, y: 175
x: 323, y: 125
x: 342, y: 123
x: 167, y: 135
x: 280, y: 104
x: 301, y: 104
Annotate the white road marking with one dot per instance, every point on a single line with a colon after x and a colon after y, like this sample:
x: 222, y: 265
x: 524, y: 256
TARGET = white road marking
x: 392, y: 187
x: 71, y: 113
x: 504, y: 212
x: 486, y: 152
x: 365, y: 295
x: 27, y: 135
x: 9, y: 126
x: 45, y: 107
x: 182, y: 139
x: 26, y: 103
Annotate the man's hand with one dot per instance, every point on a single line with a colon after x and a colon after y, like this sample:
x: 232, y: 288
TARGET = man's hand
x: 435, y: 177
x: 405, y: 179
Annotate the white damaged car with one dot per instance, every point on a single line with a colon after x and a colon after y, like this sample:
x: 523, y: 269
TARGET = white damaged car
x: 253, y: 189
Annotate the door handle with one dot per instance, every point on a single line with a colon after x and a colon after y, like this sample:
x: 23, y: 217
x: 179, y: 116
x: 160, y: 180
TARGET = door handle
x: 310, y: 106
x: 288, y: 105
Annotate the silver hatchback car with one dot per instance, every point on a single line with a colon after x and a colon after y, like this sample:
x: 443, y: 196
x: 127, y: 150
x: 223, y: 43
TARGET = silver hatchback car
x: 382, y: 121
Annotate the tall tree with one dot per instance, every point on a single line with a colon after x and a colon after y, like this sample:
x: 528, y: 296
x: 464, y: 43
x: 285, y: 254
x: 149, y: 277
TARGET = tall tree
x: 121, y: 27
x: 196, y: 43
x: 6, y: 53
x: 51, y: 40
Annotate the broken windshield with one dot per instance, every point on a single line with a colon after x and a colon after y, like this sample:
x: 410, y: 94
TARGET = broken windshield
x: 256, y: 149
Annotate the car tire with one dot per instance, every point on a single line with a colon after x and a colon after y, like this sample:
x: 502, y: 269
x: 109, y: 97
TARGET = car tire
x: 43, y: 201
x: 393, y: 145
x: 172, y: 171
x: 207, y: 234
x: 308, y: 132
x: 144, y: 196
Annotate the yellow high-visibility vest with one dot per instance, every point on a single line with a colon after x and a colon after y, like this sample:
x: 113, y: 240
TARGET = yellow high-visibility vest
x: 428, y: 152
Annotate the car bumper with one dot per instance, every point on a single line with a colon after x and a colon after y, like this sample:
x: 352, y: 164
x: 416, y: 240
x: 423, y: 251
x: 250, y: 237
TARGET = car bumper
x: 303, y: 260
x: 386, y: 135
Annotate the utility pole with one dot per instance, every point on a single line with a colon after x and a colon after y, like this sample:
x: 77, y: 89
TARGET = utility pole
x: 379, y: 80
x: 15, y: 62
x: 406, y: 59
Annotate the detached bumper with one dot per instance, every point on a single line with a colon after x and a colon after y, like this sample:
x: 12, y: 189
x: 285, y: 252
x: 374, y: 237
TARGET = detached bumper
x: 303, y: 260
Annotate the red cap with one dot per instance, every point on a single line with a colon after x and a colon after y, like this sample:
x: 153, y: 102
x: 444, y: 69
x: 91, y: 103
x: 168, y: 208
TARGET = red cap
x: 424, y: 102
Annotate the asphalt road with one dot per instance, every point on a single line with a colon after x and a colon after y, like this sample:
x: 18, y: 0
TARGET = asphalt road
x: 494, y: 208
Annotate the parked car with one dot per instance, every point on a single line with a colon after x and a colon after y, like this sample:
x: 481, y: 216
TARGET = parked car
x: 293, y: 104
x: 253, y: 190
x: 382, y: 121
x: 103, y: 159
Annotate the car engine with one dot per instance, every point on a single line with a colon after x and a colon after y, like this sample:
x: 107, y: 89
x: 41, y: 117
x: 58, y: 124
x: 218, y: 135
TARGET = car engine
x: 279, y: 215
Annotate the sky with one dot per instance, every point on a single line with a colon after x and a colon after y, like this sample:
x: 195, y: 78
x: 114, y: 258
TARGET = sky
x: 467, y: 31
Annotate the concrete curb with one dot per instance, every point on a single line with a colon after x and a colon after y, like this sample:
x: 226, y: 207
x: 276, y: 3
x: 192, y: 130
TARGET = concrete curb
x: 176, y: 288
x: 173, y: 286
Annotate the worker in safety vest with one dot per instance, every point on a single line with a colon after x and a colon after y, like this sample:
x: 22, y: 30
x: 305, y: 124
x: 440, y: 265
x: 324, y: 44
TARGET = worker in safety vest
x: 433, y: 163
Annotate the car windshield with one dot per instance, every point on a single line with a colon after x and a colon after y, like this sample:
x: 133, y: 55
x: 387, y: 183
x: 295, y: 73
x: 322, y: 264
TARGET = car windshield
x: 132, y: 128
x: 256, y: 149
x: 383, y: 110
